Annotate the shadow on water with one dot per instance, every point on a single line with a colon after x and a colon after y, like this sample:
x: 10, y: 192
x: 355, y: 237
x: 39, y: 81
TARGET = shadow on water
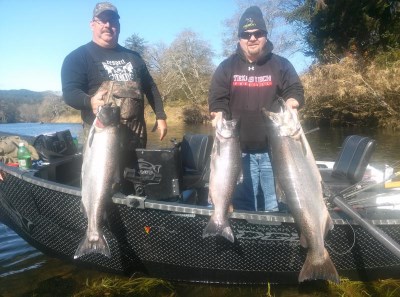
x: 24, y: 271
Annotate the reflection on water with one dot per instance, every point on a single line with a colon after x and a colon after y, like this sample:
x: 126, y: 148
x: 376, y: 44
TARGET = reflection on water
x: 23, y: 268
x: 324, y: 142
x: 176, y: 132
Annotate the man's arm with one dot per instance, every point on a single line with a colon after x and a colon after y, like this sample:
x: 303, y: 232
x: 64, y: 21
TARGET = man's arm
x: 154, y: 98
x: 74, y: 79
x: 292, y: 88
x: 74, y: 82
x: 219, y: 95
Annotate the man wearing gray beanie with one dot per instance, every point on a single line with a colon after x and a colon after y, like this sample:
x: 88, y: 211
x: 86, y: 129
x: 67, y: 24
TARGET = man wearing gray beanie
x: 250, y: 79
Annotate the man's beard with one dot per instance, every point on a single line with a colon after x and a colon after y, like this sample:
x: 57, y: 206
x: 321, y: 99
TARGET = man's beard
x: 254, y: 52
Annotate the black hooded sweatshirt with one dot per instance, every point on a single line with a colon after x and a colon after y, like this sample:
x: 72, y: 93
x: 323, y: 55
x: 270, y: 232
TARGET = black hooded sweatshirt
x: 240, y: 89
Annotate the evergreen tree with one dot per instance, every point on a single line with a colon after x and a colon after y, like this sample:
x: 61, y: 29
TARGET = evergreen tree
x: 334, y: 29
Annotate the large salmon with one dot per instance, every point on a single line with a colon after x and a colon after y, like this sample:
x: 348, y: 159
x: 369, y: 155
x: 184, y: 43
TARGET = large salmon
x: 296, y: 172
x: 100, y: 173
x: 225, y: 167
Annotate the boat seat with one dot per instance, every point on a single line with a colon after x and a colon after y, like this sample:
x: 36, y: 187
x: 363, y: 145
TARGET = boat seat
x: 65, y: 170
x: 195, y: 153
x: 351, y: 162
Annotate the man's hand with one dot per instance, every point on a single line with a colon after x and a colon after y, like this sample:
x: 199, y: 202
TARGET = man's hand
x: 215, y: 117
x: 162, y: 127
x: 292, y: 103
x: 97, y: 100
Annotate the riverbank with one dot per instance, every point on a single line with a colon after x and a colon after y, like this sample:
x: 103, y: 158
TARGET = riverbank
x: 176, y: 114
x: 349, y: 93
x: 344, y: 94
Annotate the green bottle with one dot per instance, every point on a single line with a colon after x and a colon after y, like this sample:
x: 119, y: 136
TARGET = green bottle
x: 24, y: 157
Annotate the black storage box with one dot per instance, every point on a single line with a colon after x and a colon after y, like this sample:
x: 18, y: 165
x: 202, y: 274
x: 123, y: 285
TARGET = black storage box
x: 160, y: 172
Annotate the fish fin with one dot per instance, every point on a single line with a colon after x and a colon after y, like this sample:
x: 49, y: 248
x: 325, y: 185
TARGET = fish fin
x: 280, y: 194
x: 224, y: 230
x: 209, y: 199
x: 326, y: 190
x: 322, y: 270
x: 87, y: 247
x: 91, y: 136
x: 303, y: 241
x: 240, y: 177
x: 82, y: 209
x: 115, y: 187
x: 303, y: 142
x: 328, y: 226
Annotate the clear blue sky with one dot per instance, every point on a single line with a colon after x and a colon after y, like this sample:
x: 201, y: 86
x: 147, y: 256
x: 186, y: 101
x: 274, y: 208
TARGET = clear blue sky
x: 38, y: 34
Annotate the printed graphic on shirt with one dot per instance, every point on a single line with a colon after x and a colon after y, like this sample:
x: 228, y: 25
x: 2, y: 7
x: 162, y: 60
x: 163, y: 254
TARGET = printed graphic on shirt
x: 252, y: 81
x: 119, y: 70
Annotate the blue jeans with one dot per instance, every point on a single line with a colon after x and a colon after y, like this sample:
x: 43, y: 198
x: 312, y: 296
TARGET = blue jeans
x: 257, y: 175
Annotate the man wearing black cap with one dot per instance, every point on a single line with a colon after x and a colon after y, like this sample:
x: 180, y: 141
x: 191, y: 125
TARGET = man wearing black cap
x: 252, y: 78
x: 102, y: 71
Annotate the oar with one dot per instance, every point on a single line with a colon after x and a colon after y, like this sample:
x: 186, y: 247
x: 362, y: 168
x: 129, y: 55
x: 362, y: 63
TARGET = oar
x: 376, y: 232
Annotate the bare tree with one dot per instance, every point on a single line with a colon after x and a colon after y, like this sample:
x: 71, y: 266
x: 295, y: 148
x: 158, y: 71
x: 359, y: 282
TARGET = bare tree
x: 28, y: 112
x: 183, y: 70
x: 285, y: 39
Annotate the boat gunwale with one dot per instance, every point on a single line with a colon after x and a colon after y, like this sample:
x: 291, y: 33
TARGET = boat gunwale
x: 252, y: 217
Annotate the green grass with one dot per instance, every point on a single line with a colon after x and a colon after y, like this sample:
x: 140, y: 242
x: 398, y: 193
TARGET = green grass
x: 146, y: 287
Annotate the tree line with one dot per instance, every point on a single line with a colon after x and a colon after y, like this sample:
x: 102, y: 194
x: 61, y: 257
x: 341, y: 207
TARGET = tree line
x: 329, y: 31
x: 355, y: 46
x: 29, y: 106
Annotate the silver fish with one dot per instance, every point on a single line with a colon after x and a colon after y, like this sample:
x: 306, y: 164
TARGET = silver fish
x: 100, y: 173
x: 297, y: 175
x: 225, y: 168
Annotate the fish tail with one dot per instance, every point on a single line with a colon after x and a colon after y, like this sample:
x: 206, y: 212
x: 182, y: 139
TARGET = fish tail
x: 323, y: 270
x: 224, y: 230
x: 87, y: 247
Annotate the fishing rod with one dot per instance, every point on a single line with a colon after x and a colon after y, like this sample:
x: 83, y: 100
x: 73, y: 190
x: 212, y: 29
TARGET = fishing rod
x: 365, y: 184
x: 311, y: 131
x: 375, y: 231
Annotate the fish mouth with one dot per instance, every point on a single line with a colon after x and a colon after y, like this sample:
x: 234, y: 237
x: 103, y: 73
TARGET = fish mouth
x: 108, y: 115
x: 227, y: 128
x: 285, y: 121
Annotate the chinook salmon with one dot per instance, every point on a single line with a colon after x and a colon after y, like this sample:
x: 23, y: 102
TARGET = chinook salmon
x: 297, y: 174
x: 100, y: 173
x: 225, y: 167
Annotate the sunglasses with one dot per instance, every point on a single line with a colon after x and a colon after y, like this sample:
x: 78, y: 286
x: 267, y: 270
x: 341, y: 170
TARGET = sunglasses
x: 256, y: 34
x: 113, y: 22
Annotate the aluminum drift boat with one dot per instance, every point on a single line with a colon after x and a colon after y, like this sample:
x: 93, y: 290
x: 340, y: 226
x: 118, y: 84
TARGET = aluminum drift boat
x: 159, y: 233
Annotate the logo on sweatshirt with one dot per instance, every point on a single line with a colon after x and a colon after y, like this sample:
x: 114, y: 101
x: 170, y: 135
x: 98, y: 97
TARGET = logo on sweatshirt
x: 119, y: 70
x: 252, y: 81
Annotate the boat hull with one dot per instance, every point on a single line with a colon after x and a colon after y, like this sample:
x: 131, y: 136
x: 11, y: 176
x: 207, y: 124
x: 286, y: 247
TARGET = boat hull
x: 164, y: 239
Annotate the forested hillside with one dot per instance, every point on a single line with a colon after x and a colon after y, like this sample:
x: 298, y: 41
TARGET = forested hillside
x: 29, y: 106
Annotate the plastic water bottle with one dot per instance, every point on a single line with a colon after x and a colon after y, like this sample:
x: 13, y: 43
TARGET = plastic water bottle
x: 75, y: 140
x: 24, y: 157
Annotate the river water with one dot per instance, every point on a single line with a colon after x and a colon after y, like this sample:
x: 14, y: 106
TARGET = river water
x: 24, y: 271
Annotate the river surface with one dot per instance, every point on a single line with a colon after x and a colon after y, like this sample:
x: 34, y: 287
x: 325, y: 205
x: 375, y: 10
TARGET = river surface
x: 24, y: 271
